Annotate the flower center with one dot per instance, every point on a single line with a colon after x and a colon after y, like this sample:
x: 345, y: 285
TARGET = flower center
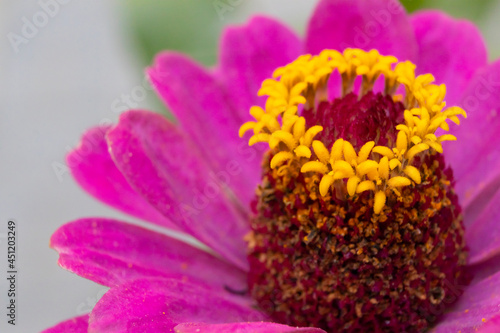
x: 357, y: 225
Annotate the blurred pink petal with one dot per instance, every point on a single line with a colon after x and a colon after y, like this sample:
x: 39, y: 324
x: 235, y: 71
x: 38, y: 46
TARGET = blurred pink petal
x: 94, y: 170
x: 248, y: 55
x: 483, y: 235
x: 243, y: 328
x: 450, y: 49
x: 207, y: 116
x: 477, y: 306
x: 111, y: 252
x: 73, y: 325
x: 158, y: 305
x: 164, y: 166
x: 375, y: 24
x: 476, y: 159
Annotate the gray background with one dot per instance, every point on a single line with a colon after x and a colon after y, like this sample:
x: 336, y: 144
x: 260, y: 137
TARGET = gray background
x: 63, y: 81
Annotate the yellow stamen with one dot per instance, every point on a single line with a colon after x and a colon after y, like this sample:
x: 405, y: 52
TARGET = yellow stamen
x: 379, y: 202
x: 303, y: 83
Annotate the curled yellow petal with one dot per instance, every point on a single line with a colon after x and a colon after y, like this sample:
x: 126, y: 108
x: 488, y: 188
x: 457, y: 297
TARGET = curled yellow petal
x: 257, y: 112
x: 416, y: 139
x: 383, y: 167
x: 298, y: 88
x: 288, y: 121
x: 365, y: 151
x: 398, y: 181
x: 408, y: 118
x: 352, y: 184
x: 445, y: 126
x: 299, y: 128
x: 384, y: 151
x: 413, y: 173
x: 436, y: 146
x: 402, y: 141
x: 336, y: 152
x: 416, y: 150
x: 321, y: 151
x: 296, y: 100
x: 393, y: 163
x: 314, y: 166
x: 379, y: 202
x: 436, y: 122
x: 366, y: 167
x: 261, y: 137
x: 270, y: 122
x: 303, y: 151
x: 325, y: 184
x: 343, y: 167
x: 366, y: 185
x: 310, y: 134
x: 447, y: 137
x: 285, y: 137
x: 280, y: 158
x: 246, y: 127
x: 349, y: 152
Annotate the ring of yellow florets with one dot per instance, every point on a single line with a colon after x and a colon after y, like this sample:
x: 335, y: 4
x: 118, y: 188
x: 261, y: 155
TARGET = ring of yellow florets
x: 303, y: 84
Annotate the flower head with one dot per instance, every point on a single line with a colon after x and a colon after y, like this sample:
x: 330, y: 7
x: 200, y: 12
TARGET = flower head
x: 345, y: 212
x: 357, y: 226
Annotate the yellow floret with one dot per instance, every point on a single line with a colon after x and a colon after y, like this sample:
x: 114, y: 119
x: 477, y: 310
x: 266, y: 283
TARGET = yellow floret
x: 303, y: 84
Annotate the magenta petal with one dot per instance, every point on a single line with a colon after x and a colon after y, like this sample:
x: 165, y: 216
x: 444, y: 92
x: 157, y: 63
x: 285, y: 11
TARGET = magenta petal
x: 163, y: 166
x: 475, y: 158
x: 73, y: 325
x: 452, y: 50
x: 111, y: 252
x: 243, y: 328
x: 206, y: 114
x: 491, y: 326
x: 483, y: 235
x: 478, y: 302
x: 92, y: 167
x: 484, y: 269
x: 158, y: 305
x: 249, y: 54
x: 374, y: 24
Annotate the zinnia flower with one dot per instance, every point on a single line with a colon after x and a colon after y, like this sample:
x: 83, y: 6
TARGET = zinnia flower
x: 344, y: 214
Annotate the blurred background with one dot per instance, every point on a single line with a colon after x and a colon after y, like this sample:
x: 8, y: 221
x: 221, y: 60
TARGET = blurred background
x: 65, y: 75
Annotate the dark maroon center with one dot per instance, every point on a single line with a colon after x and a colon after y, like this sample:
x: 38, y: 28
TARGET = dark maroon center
x: 372, y: 118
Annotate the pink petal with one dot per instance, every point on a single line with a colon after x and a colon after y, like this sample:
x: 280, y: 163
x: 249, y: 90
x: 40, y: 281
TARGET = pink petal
x: 164, y: 167
x: 158, y: 305
x: 452, y: 50
x: 374, y: 24
x: 483, y: 234
x: 249, y: 54
x: 92, y: 167
x: 475, y: 157
x: 243, y: 328
x: 73, y: 325
x: 111, y: 252
x: 479, y: 301
x: 484, y: 269
x: 491, y: 326
x: 206, y: 114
